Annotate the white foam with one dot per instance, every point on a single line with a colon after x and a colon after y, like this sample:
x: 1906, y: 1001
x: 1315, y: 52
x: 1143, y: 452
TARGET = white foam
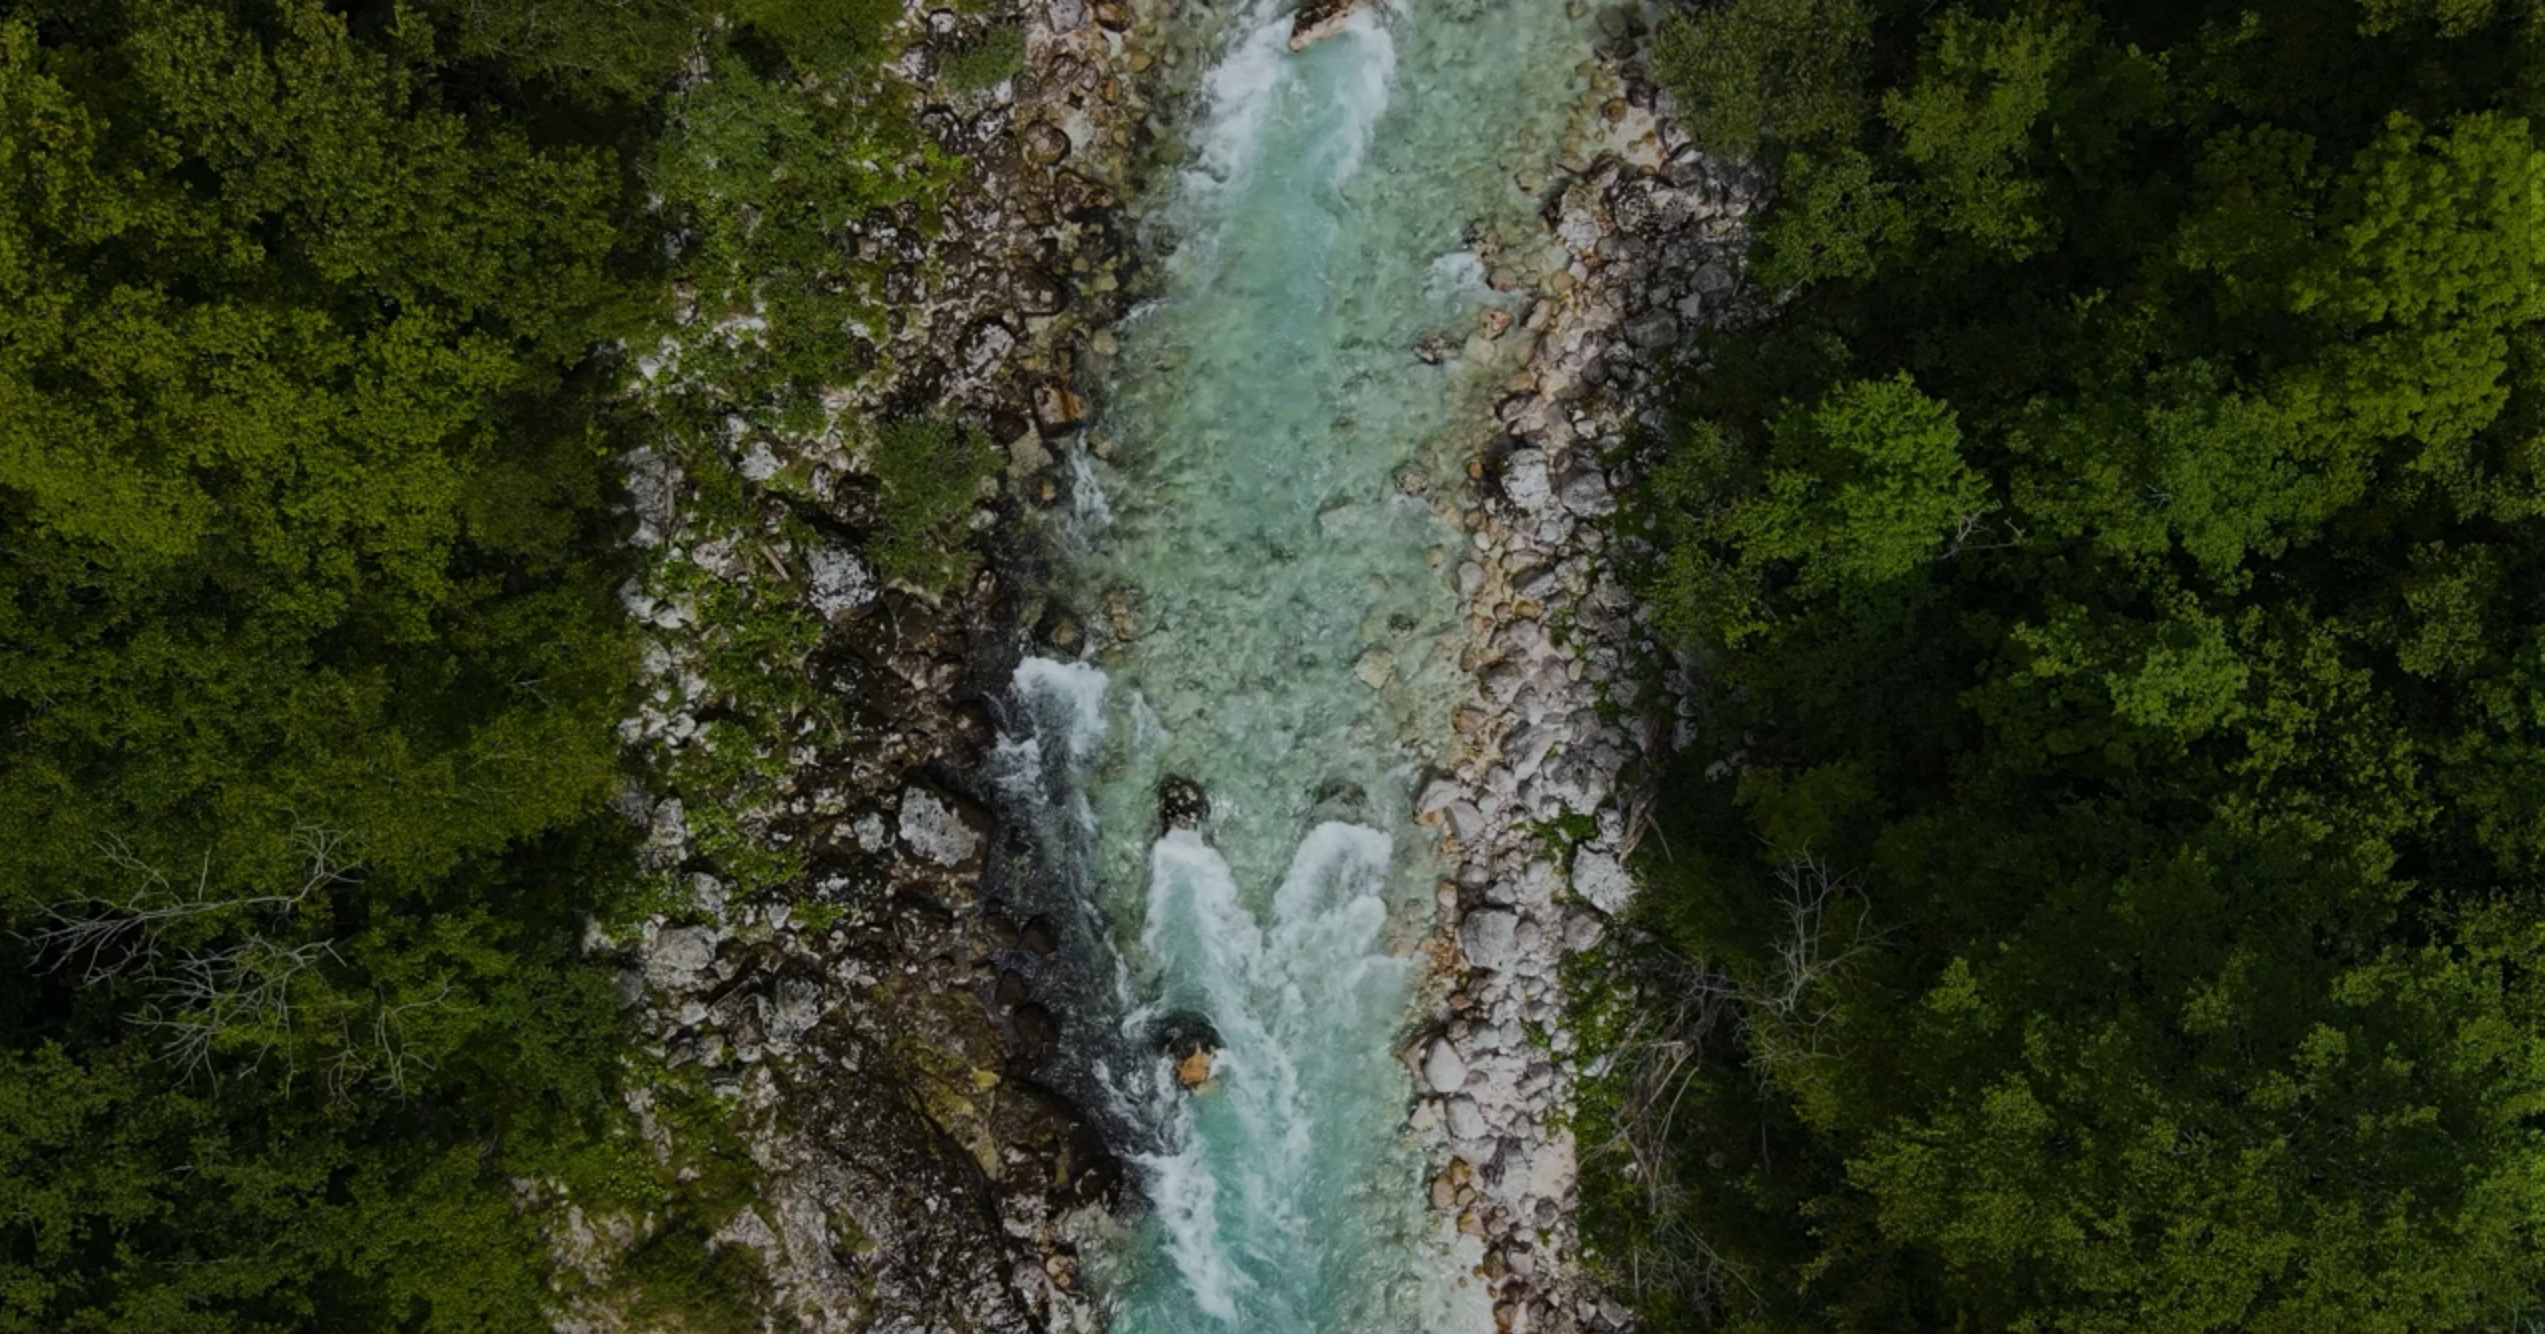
x: 1185, y: 1192
x: 1366, y: 89
x: 1042, y: 767
x: 1336, y: 865
x: 1071, y: 694
x: 1087, y: 501
x: 1228, y: 1186
x: 1205, y: 948
x: 1196, y: 928
x: 1240, y: 95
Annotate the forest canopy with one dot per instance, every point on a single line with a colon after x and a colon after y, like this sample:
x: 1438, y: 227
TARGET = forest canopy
x: 2106, y: 892
x: 311, y: 652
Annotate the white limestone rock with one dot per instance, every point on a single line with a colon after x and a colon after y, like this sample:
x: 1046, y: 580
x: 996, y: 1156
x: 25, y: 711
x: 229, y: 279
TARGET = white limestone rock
x: 1526, y: 483
x: 936, y: 831
x: 1437, y: 796
x: 680, y: 958
x: 1586, y: 494
x: 1489, y: 936
x: 1600, y: 880
x: 840, y: 581
x: 1443, y: 1068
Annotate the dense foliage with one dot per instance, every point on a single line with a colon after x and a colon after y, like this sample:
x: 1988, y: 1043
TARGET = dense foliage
x: 2115, y: 553
x: 310, y: 656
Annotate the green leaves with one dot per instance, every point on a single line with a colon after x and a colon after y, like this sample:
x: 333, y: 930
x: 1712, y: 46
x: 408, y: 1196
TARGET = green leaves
x: 2073, y: 1197
x: 309, y: 663
x: 2163, y: 666
x: 1967, y: 123
x: 931, y: 475
x: 1864, y: 488
x: 1762, y: 74
x: 1857, y: 492
x: 760, y: 175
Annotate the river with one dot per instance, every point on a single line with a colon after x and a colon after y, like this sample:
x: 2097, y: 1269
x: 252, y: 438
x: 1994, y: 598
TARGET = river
x: 1263, y: 558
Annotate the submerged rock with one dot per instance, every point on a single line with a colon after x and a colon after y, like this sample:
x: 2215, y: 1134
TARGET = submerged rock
x: 1339, y: 799
x: 1061, y: 632
x: 1122, y: 613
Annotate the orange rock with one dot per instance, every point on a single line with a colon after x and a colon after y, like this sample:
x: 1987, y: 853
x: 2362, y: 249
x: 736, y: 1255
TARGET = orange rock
x: 1195, y: 1070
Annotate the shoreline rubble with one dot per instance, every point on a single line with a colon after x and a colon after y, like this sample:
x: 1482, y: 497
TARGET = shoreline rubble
x: 1575, y: 706
x: 867, y: 1028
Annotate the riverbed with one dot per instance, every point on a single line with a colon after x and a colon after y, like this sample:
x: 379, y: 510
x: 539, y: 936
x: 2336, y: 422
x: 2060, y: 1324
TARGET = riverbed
x: 1262, y: 557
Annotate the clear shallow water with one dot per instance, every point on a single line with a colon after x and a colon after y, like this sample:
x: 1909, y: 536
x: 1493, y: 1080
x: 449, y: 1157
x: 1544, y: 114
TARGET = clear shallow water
x: 1294, y: 642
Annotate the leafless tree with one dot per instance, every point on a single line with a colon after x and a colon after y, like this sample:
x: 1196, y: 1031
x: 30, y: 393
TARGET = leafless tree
x: 107, y: 937
x: 1785, y: 1015
x: 211, y: 968
x: 1782, y: 1018
x: 240, y: 993
x: 1678, y: 1006
x: 377, y: 1051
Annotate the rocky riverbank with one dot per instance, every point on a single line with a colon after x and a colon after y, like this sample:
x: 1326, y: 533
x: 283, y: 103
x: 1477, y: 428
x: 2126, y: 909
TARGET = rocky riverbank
x: 863, y: 1032
x: 1540, y: 809
x: 833, y: 1042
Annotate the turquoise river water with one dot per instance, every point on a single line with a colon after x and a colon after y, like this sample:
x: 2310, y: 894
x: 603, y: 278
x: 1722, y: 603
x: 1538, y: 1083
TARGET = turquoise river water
x: 1291, y: 647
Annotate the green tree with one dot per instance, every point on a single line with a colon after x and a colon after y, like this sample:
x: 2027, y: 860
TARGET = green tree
x: 310, y: 660
x: 2152, y: 685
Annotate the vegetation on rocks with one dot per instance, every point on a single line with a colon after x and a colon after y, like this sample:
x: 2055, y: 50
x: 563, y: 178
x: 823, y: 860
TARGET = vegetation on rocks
x: 996, y: 57
x: 312, y: 653
x: 2105, y: 895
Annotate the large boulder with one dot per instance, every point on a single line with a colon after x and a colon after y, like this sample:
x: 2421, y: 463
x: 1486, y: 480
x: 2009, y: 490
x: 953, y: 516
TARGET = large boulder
x: 1491, y: 939
x: 941, y: 830
x: 839, y: 580
x: 1443, y: 1068
x: 1181, y: 803
x: 680, y: 959
x: 1526, y: 482
x: 1318, y: 20
x: 1600, y: 880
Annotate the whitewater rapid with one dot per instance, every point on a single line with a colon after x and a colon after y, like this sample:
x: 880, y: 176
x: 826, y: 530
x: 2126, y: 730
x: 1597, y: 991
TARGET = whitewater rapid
x: 1262, y: 561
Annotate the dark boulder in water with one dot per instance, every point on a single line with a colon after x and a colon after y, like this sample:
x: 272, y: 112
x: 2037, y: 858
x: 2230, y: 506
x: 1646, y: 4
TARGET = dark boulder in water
x: 1181, y: 1032
x: 1061, y: 632
x: 1339, y: 799
x: 1181, y: 803
x: 1190, y: 1044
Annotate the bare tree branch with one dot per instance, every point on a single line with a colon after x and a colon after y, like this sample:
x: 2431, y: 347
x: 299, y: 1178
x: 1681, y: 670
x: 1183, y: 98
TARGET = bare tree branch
x: 1784, y: 1020
x: 105, y: 936
x: 1785, y: 1017
x: 235, y: 989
